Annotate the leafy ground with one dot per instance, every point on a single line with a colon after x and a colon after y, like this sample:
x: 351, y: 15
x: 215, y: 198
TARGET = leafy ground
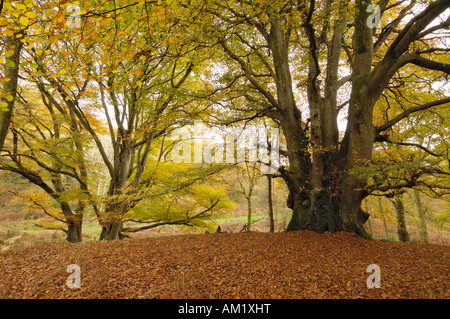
x: 239, y: 265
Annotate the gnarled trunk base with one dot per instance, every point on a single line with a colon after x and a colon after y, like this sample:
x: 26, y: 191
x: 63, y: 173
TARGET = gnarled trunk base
x: 325, y: 211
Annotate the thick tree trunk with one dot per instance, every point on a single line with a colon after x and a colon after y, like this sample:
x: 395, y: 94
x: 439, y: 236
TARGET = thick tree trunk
x: 74, y: 222
x: 112, y: 221
x: 334, y: 204
x: 113, y: 217
x: 326, y: 210
x: 112, y: 231
x: 74, y: 231
x: 401, y: 222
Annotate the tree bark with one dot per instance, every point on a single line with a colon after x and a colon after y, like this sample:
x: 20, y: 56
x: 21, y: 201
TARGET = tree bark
x: 112, y: 230
x: 325, y: 193
x: 249, y: 211
x: 112, y: 221
x: 401, y: 222
x: 270, y: 203
x: 422, y: 222
x: 9, y: 91
x: 74, y: 231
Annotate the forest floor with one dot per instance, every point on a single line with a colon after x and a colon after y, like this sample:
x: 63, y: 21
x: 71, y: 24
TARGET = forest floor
x: 228, y: 265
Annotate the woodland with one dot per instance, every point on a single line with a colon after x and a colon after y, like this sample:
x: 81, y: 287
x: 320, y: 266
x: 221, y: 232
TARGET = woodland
x: 122, y: 120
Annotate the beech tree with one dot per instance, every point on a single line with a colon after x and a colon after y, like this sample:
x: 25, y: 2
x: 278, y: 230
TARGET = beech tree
x: 47, y: 147
x: 332, y: 55
x: 152, y: 66
x: 128, y: 71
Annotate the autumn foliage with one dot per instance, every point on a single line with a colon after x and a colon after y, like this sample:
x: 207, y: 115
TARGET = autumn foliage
x: 240, y: 265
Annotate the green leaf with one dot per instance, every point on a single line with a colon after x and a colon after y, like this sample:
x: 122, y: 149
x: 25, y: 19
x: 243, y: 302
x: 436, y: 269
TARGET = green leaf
x: 9, y: 53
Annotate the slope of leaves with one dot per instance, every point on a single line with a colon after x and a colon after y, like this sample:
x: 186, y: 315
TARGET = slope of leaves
x: 240, y: 265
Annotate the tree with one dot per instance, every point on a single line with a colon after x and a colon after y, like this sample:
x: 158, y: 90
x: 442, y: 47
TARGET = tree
x: 9, y: 90
x: 402, y: 231
x: 270, y: 203
x: 141, y: 94
x: 422, y: 223
x: 177, y: 194
x: 265, y: 52
x: 247, y: 177
x: 14, y: 22
x: 47, y: 148
x: 149, y: 67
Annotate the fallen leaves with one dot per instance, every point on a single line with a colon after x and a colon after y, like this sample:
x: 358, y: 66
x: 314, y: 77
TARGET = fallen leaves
x: 244, y: 265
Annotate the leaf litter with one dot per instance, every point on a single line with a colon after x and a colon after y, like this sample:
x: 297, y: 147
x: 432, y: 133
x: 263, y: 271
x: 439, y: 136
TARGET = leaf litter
x: 287, y: 265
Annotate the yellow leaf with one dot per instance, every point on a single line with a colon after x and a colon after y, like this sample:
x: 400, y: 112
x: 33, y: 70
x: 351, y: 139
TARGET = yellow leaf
x: 8, y: 96
x: 62, y: 72
x: 9, y: 33
x: 115, y: 71
x: 29, y: 3
x: 4, y: 105
x: 30, y: 14
x: 142, y: 58
x: 21, y: 7
x: 138, y: 83
x: 53, y: 40
x: 24, y: 21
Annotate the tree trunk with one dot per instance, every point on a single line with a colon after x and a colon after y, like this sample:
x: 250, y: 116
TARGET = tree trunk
x: 112, y: 221
x: 334, y: 207
x: 112, y: 231
x: 9, y: 91
x: 113, y: 217
x: 270, y: 203
x: 383, y: 216
x: 401, y: 222
x: 249, y: 211
x: 74, y: 231
x: 422, y: 223
x: 322, y: 194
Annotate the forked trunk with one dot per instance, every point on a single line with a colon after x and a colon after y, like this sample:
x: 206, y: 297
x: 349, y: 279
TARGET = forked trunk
x: 74, y: 231
x: 111, y: 231
x: 335, y: 206
x: 112, y: 222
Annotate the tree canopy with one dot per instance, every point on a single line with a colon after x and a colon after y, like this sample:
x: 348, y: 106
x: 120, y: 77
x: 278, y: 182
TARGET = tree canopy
x: 93, y: 90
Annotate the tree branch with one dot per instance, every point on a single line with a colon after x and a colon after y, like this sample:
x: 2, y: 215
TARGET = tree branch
x: 249, y: 76
x: 185, y: 221
x: 415, y: 145
x: 409, y: 111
